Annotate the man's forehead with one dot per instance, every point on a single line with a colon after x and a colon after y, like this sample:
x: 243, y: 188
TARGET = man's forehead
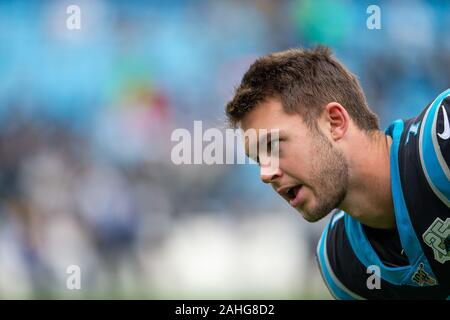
x: 263, y: 115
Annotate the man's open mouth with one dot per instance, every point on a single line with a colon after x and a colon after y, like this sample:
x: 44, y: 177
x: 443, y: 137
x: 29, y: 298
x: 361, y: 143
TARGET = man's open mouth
x: 292, y: 192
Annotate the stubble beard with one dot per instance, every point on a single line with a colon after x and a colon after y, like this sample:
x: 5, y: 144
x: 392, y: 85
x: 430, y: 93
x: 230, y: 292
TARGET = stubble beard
x: 329, y: 178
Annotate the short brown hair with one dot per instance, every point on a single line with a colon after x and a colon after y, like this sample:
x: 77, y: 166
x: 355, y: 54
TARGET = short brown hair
x: 305, y: 80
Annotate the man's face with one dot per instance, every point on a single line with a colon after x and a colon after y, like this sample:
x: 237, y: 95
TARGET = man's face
x: 312, y: 174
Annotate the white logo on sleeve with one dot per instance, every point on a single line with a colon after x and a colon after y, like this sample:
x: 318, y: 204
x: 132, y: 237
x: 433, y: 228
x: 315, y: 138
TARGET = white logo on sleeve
x: 446, y: 133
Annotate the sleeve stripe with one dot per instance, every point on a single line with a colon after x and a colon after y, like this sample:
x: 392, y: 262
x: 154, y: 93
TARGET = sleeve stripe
x: 435, y: 141
x: 337, y: 289
x: 433, y: 164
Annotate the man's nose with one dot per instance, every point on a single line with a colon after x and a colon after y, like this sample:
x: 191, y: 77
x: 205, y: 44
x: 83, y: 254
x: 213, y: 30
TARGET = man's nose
x: 268, y: 174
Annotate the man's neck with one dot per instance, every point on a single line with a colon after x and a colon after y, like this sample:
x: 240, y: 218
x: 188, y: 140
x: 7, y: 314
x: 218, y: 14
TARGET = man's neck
x: 369, y: 196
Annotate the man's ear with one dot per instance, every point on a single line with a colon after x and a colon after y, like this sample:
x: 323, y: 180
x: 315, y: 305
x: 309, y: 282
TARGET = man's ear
x: 338, y: 120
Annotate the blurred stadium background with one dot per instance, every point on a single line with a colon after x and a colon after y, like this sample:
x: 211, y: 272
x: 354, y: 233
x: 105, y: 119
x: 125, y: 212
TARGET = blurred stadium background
x: 85, y: 123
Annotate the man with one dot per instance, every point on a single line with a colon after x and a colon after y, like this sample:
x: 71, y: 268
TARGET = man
x: 390, y: 190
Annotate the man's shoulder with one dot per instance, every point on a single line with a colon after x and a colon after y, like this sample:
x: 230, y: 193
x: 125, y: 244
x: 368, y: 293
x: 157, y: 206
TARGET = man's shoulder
x: 422, y: 155
x: 422, y: 151
x: 434, y: 146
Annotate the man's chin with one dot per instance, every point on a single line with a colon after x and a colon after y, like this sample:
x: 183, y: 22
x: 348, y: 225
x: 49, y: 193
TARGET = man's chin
x: 312, y: 216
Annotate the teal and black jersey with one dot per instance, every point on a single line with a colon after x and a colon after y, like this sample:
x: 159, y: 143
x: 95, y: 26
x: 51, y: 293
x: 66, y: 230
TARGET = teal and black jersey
x: 413, y: 261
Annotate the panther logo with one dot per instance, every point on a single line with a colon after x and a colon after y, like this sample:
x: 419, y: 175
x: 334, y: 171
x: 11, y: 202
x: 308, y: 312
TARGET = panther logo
x: 421, y: 277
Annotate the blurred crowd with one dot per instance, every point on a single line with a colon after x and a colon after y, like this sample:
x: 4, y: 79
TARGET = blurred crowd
x: 86, y: 118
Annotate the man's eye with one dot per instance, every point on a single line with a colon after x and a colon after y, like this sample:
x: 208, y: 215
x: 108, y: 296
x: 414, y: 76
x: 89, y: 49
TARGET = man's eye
x: 273, y: 145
